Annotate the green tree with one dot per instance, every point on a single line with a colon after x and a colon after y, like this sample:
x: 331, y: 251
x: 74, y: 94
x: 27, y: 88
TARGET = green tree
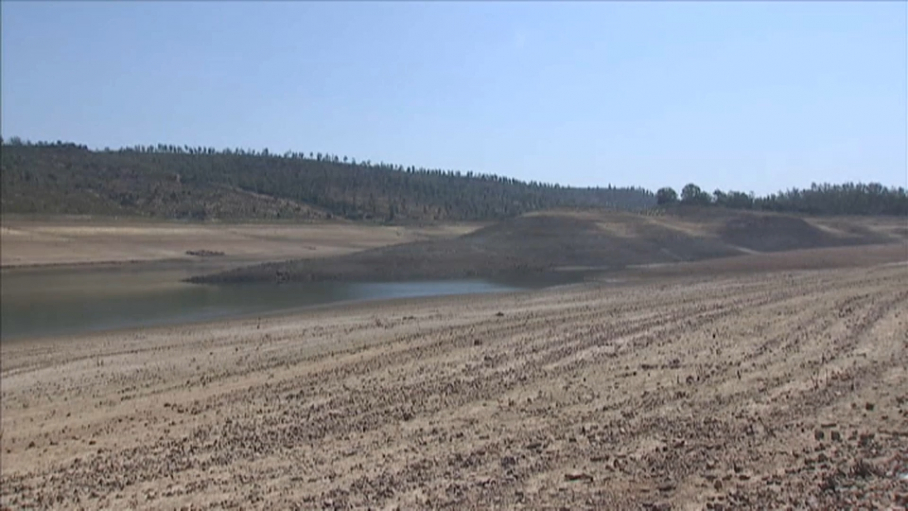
x: 720, y: 198
x: 692, y: 194
x: 666, y: 195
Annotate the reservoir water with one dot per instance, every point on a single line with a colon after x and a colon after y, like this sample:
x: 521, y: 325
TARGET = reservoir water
x: 49, y: 302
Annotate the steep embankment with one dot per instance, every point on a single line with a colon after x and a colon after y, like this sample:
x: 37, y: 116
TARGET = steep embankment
x: 563, y: 240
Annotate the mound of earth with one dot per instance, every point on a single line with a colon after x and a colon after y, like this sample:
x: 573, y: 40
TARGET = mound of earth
x: 773, y: 233
x: 531, y: 244
x: 557, y: 241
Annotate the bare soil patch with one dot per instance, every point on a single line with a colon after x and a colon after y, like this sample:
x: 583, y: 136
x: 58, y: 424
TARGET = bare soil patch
x: 548, y: 241
x: 31, y: 242
x: 793, y: 260
x: 738, y: 391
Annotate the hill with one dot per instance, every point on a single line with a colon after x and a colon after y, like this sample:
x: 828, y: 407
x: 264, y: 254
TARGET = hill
x: 201, y: 183
x: 558, y: 241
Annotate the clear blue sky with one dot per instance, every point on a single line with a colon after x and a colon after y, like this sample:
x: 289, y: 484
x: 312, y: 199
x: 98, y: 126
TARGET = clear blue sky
x: 735, y: 95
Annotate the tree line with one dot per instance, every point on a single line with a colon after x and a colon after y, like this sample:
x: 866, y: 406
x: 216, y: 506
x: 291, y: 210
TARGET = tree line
x: 202, y: 182
x: 182, y: 181
x: 819, y: 199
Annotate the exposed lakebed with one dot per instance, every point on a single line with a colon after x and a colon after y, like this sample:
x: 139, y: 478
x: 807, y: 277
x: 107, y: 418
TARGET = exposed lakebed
x: 50, y: 302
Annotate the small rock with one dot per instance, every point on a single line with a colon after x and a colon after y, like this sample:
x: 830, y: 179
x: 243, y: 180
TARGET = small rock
x: 578, y: 476
x: 869, y: 407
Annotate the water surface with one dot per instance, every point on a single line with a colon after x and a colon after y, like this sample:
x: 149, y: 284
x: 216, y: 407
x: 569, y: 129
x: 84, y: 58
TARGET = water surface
x: 40, y: 303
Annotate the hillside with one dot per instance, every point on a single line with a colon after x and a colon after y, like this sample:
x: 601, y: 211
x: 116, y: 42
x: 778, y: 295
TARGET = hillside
x: 557, y: 241
x: 201, y: 183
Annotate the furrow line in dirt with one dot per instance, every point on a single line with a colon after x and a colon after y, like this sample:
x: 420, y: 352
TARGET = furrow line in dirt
x: 172, y: 461
x: 333, y: 435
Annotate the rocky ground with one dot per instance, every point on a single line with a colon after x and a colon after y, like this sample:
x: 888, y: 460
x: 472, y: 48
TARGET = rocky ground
x: 760, y: 391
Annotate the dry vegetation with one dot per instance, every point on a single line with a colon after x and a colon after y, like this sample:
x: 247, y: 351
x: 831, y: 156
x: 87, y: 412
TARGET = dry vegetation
x: 678, y: 392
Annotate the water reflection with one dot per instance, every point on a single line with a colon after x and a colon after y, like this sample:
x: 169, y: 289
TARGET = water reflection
x: 55, y: 302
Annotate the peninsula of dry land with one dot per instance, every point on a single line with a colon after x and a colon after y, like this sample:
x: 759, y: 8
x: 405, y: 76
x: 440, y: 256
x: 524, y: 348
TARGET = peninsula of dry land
x: 30, y: 241
x: 578, y: 240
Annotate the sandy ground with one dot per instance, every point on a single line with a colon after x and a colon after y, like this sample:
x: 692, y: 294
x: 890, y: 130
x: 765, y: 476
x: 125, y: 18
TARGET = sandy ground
x: 753, y: 391
x: 28, y: 242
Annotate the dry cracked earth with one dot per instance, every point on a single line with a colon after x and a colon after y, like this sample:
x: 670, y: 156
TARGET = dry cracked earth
x: 772, y: 391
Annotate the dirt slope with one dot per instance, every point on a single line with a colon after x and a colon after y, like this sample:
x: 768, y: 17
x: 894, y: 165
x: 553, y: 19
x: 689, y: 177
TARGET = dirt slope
x: 527, y: 244
x: 563, y: 240
x: 756, y: 392
x: 69, y: 241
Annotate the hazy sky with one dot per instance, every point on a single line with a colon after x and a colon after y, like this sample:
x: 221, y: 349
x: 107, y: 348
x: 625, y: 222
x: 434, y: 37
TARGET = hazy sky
x: 741, y: 95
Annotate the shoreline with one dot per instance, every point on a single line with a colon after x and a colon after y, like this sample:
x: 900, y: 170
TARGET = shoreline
x: 583, y: 395
x: 36, y: 242
x: 798, y: 261
x: 549, y: 241
x: 352, y: 305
